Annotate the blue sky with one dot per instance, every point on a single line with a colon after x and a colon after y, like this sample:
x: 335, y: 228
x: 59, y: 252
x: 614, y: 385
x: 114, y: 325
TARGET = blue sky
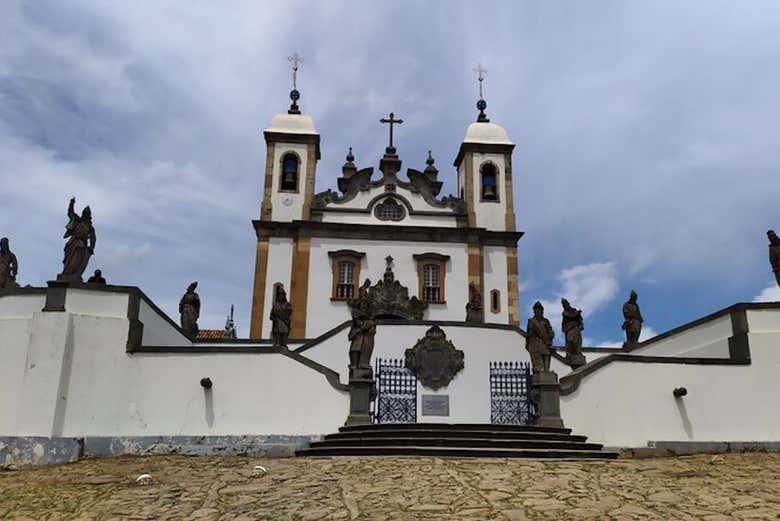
x: 646, y: 134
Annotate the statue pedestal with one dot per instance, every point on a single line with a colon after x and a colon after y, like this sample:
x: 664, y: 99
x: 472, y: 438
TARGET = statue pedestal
x: 575, y: 360
x: 55, y: 295
x: 360, y: 390
x: 548, y: 391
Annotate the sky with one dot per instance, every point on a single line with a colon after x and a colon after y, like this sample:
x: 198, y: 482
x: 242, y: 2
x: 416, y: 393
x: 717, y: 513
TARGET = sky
x: 646, y: 134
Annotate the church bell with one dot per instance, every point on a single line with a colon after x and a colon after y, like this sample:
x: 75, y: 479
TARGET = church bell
x: 490, y: 192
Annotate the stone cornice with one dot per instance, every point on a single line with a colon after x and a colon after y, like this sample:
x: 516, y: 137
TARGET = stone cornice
x: 383, y: 232
x: 485, y: 148
x: 306, y: 139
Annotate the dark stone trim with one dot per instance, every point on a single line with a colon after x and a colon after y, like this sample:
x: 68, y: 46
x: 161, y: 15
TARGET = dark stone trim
x: 284, y: 137
x: 135, y: 333
x: 28, y: 290
x: 55, y: 296
x: 388, y: 232
x: 326, y: 335
x: 739, y: 348
x: 481, y: 148
x: 430, y: 256
x: 346, y: 253
x: 450, y: 323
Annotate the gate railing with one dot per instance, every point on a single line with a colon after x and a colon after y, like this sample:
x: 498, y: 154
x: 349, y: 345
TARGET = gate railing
x: 396, y: 400
x: 510, y: 393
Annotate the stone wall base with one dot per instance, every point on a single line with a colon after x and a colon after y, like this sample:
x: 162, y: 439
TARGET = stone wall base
x: 35, y: 450
x: 657, y: 449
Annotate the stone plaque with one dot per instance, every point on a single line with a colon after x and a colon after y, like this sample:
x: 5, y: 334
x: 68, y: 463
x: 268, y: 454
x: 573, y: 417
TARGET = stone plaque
x: 436, y: 405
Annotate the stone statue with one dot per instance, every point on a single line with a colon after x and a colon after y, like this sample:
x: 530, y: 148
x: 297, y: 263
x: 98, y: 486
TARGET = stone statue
x: 80, y: 246
x: 774, y: 254
x: 539, y: 340
x: 9, y: 267
x: 97, y: 278
x: 572, y: 325
x: 281, y: 317
x: 474, y: 305
x: 633, y: 319
x: 189, y: 309
x: 361, y: 334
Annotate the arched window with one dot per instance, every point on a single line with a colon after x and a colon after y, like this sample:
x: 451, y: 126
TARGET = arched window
x: 389, y: 210
x: 430, y: 272
x: 495, y: 301
x: 346, y: 273
x: 431, y: 283
x: 489, y: 182
x: 289, y: 182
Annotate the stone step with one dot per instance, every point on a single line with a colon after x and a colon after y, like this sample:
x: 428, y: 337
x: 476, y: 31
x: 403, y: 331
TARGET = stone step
x: 455, y: 432
x: 458, y: 426
x: 481, y: 442
x: 457, y: 452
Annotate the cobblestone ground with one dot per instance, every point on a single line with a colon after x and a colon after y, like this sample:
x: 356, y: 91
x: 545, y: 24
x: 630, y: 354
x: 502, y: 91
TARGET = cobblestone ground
x: 205, y: 488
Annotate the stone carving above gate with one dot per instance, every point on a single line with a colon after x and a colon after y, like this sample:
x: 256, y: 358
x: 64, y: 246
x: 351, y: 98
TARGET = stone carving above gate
x: 434, y: 359
x: 389, y: 298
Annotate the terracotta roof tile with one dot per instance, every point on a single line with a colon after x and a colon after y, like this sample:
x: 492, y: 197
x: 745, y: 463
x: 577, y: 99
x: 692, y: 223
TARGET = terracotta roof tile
x: 210, y: 334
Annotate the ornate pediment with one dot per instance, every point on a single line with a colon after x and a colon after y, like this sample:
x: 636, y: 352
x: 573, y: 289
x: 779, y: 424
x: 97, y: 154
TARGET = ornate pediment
x: 434, y: 359
x: 389, y: 298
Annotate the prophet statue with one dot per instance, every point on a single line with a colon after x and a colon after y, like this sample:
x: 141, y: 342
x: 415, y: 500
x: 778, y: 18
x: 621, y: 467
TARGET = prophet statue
x: 80, y: 246
x: 189, y: 310
x: 281, y: 317
x: 632, y: 323
x: 539, y: 340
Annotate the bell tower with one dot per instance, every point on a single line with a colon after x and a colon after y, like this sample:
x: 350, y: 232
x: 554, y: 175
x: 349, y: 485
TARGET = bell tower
x: 484, y: 167
x: 292, y: 152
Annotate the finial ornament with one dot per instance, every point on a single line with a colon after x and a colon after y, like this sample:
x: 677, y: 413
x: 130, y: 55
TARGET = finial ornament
x: 295, y: 59
x: 481, y: 104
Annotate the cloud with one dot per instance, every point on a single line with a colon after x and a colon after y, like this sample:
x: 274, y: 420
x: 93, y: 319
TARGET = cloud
x: 587, y: 286
x: 769, y: 294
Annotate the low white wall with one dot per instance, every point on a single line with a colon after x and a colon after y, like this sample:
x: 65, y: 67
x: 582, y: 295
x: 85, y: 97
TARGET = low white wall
x: 469, y: 391
x: 708, y: 340
x: 630, y: 403
x: 157, y: 330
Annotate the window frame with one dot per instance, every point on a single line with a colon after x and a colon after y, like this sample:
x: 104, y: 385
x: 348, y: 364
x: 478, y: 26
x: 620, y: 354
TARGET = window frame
x: 482, y: 184
x: 284, y: 156
x: 427, y: 259
x: 495, y: 301
x: 341, y: 256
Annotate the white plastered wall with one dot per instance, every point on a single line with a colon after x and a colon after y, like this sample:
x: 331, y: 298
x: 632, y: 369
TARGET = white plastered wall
x: 81, y: 382
x: 324, y: 314
x: 288, y: 206
x: 631, y: 403
x: 469, y: 391
x: 495, y: 278
x: 157, y: 331
x: 280, y: 255
x: 708, y: 340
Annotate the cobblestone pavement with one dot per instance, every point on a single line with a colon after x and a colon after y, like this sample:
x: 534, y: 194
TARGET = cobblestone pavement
x: 223, y: 488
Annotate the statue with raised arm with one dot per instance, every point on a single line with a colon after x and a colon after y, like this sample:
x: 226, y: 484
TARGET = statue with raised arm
x: 9, y: 267
x: 281, y: 317
x: 80, y: 246
x: 474, y: 305
x: 361, y: 334
x: 774, y: 254
x: 189, y: 310
x: 572, y: 325
x: 632, y: 323
x: 539, y: 339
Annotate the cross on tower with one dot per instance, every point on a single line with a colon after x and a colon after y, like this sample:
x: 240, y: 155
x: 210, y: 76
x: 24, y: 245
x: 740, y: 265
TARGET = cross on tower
x: 295, y: 59
x: 391, y: 121
x: 480, y: 77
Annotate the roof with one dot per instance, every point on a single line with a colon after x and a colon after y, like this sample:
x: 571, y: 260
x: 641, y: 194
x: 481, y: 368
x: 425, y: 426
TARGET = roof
x: 210, y: 334
x: 292, y: 124
x: 481, y: 132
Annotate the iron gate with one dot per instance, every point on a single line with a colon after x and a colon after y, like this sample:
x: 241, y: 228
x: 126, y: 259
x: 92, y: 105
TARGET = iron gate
x: 510, y: 393
x: 396, y: 400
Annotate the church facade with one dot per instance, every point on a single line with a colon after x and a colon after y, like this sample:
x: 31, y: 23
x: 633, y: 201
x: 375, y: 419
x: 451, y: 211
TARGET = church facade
x: 322, y: 246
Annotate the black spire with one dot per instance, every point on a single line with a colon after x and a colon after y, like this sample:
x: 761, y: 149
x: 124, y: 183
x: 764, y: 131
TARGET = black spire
x: 294, y: 94
x: 481, y: 104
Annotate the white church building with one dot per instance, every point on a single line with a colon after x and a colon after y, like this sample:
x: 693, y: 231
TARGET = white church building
x: 99, y: 369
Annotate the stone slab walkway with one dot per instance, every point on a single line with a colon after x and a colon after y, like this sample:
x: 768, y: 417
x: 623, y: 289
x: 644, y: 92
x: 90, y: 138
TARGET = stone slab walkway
x: 735, y: 486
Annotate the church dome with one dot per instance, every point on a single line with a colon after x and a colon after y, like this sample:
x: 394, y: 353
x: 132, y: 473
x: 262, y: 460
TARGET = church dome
x: 292, y: 124
x: 483, y: 132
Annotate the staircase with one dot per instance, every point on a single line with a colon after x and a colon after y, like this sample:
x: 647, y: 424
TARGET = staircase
x: 456, y: 440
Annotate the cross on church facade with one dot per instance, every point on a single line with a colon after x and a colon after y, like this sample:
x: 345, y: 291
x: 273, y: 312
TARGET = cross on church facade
x: 391, y: 120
